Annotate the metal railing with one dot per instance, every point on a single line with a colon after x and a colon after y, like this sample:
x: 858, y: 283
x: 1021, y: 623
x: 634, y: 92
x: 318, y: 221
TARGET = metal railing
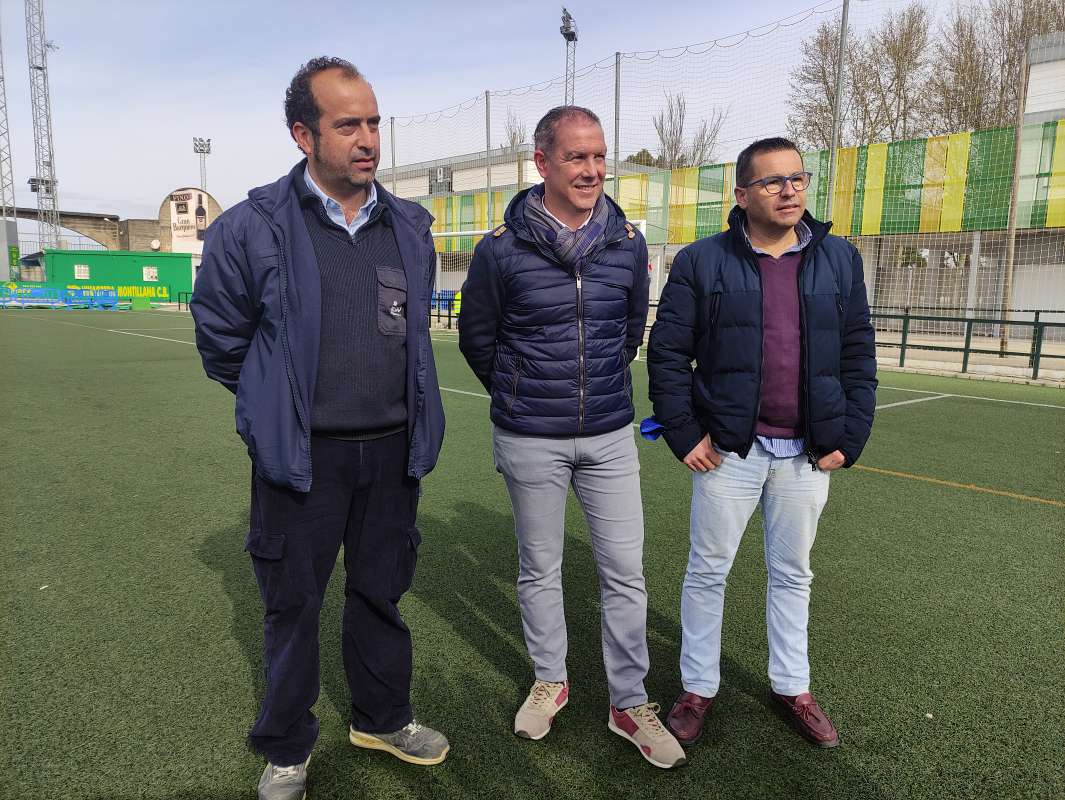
x: 1034, y: 352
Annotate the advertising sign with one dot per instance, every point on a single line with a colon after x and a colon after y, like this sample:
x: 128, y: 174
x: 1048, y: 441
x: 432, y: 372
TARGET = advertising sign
x: 189, y: 218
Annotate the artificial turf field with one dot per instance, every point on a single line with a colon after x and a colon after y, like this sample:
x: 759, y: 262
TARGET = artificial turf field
x: 131, y: 663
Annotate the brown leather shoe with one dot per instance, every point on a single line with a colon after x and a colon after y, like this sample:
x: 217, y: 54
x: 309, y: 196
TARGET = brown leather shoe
x: 685, y: 720
x: 806, y: 716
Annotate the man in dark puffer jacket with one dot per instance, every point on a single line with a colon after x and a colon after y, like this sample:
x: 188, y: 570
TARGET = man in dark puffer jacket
x: 553, y: 311
x: 774, y: 313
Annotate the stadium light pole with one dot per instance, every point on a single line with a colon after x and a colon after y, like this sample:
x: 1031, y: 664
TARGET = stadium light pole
x: 569, y: 34
x: 202, y: 148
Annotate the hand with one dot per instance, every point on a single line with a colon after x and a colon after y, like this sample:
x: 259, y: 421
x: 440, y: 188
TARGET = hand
x: 833, y: 460
x: 703, y: 457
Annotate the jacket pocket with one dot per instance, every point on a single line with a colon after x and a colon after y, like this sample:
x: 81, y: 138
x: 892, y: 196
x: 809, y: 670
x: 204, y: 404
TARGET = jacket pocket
x: 391, y: 301
x: 513, y: 396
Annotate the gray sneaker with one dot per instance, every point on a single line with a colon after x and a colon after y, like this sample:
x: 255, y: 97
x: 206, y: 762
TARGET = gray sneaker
x: 413, y: 743
x: 284, y: 783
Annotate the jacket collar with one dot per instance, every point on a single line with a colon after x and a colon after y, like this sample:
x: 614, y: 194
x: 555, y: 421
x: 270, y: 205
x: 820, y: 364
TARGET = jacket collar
x: 737, y: 222
x: 514, y: 217
x: 274, y: 197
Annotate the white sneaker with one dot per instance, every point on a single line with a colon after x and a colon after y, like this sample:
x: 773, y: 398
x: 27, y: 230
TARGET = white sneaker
x: 641, y: 726
x: 537, y: 714
x: 284, y: 783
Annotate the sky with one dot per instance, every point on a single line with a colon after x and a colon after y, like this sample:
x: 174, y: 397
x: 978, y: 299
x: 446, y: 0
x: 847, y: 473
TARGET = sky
x: 132, y: 81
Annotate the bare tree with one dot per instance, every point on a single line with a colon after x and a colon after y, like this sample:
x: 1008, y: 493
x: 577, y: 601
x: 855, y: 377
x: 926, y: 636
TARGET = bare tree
x: 976, y: 83
x: 673, y: 149
x: 514, y: 130
x: 961, y: 91
x: 516, y: 134
x: 900, y: 45
x: 813, y: 91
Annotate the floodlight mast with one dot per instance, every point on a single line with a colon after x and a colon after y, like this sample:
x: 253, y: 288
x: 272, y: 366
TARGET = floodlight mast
x: 569, y: 34
x: 202, y: 147
x: 44, y: 183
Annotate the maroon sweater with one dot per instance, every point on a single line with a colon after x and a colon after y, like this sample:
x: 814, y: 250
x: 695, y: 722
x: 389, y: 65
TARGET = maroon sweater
x: 778, y: 413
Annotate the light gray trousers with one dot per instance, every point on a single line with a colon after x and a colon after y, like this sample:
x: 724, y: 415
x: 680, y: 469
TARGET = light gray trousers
x: 605, y: 475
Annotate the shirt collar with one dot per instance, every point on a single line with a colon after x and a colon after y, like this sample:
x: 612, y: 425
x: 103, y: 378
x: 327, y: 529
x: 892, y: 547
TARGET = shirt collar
x: 332, y: 205
x: 802, y: 230
x: 560, y: 222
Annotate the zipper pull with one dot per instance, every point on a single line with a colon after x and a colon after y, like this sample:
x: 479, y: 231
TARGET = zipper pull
x: 578, y: 280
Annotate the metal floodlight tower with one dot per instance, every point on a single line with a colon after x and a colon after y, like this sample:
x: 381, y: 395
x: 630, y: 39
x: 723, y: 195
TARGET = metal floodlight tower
x: 7, y: 175
x: 569, y: 33
x: 202, y: 148
x: 44, y: 183
x: 8, y: 213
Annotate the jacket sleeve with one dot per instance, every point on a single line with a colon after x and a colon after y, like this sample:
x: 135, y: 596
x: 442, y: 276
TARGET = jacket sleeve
x: 481, y: 312
x: 857, y: 366
x: 222, y: 306
x: 638, y: 298
x: 670, y: 353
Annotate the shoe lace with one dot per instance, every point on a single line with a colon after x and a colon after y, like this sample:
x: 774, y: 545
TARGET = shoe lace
x: 413, y: 728
x: 541, y: 695
x: 806, y: 711
x: 647, y: 716
x: 287, y: 773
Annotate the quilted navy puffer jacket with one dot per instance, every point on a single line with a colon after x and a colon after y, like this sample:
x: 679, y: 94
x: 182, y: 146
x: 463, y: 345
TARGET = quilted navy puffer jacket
x: 710, y: 313
x: 553, y: 345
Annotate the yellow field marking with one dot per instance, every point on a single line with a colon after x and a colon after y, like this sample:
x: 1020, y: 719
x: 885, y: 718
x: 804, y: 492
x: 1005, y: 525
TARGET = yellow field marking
x: 972, y: 487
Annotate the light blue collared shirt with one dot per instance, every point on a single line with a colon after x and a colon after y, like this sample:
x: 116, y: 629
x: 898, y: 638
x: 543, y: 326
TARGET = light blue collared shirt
x: 785, y: 448
x: 336, y: 213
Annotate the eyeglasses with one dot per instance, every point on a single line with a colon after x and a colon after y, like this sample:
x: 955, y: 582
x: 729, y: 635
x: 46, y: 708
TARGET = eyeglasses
x: 774, y: 184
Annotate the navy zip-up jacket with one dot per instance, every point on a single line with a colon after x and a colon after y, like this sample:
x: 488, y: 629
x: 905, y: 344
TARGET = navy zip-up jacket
x: 257, y: 307
x: 553, y: 345
x: 711, y: 313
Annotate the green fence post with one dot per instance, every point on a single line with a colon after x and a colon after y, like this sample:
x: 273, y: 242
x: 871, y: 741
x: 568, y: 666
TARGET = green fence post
x: 905, y: 336
x: 968, y: 344
x: 1037, y: 347
x: 1031, y: 355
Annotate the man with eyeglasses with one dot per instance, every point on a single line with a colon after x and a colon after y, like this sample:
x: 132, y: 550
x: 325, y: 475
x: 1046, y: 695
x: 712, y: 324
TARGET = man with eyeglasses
x: 774, y: 314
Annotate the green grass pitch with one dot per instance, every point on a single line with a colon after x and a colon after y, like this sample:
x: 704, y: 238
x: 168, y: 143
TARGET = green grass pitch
x: 131, y: 666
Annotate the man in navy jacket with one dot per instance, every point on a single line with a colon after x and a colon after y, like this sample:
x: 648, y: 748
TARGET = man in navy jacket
x: 311, y: 305
x: 774, y: 315
x: 553, y: 311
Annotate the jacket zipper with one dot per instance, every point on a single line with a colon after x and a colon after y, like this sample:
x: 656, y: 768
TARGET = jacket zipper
x: 514, y: 386
x: 581, y: 377
x: 580, y: 354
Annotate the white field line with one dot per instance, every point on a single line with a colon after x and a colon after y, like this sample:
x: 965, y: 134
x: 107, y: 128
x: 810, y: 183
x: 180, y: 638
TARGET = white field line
x: 468, y: 394
x: 973, y: 397
x: 910, y: 402
x: 938, y: 395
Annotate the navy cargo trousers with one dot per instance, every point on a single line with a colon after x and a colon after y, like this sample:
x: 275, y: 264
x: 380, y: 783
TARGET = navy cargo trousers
x: 361, y: 498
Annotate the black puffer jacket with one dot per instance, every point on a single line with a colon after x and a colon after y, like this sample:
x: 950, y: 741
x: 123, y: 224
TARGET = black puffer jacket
x: 552, y: 345
x: 711, y: 313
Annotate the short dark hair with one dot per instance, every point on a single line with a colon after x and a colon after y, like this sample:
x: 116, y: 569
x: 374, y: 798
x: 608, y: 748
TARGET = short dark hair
x: 300, y: 105
x: 547, y: 127
x: 771, y: 145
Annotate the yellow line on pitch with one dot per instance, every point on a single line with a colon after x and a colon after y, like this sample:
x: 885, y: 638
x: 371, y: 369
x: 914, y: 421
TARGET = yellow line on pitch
x: 972, y: 487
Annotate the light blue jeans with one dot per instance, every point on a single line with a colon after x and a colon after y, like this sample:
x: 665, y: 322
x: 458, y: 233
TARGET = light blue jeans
x: 792, y: 496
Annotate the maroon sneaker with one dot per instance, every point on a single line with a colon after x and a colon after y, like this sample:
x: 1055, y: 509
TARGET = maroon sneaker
x: 685, y: 720
x: 806, y: 716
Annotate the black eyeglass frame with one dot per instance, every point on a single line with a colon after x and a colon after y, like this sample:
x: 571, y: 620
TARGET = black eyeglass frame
x: 764, y: 182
